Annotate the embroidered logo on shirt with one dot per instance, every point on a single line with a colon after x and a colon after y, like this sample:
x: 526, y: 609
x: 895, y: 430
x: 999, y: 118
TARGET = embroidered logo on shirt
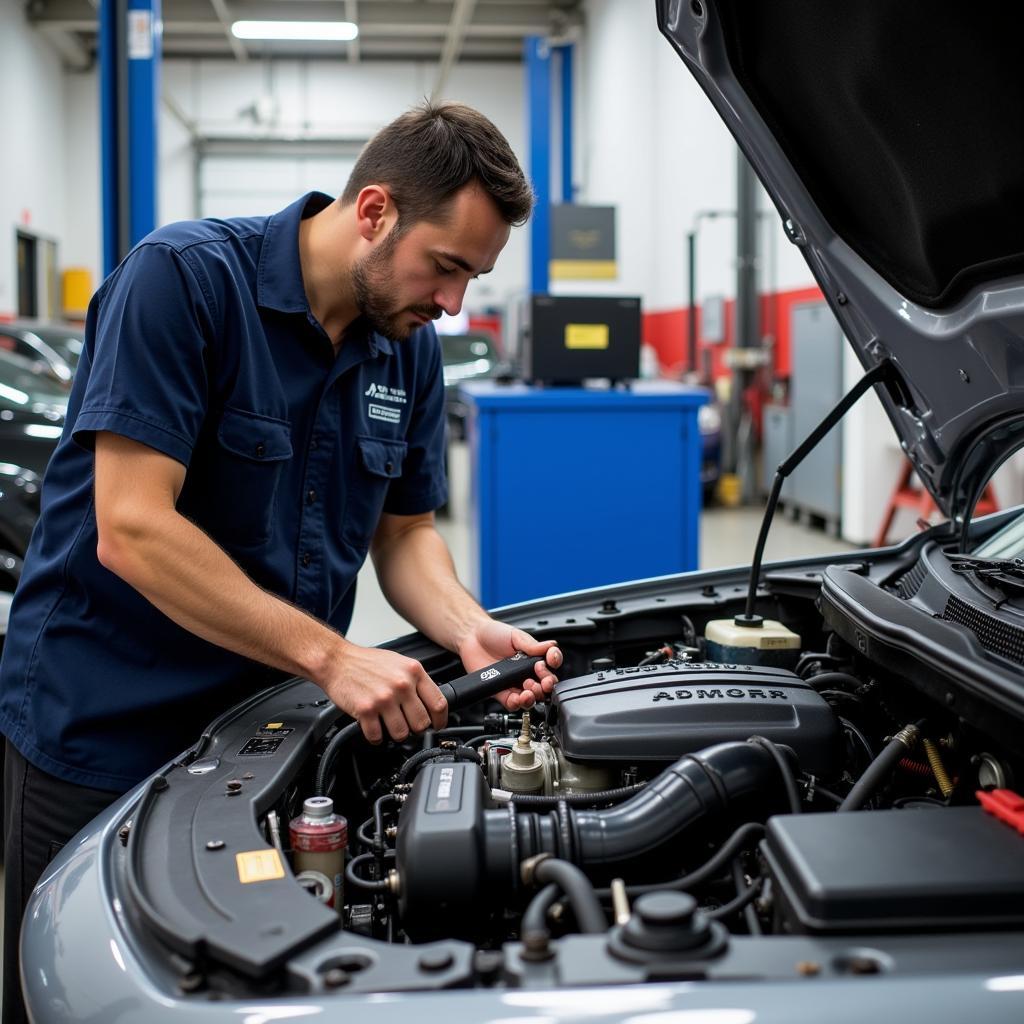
x: 383, y: 393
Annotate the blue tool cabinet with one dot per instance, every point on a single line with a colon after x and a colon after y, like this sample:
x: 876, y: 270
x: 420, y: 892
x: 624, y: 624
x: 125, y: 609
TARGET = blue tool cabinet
x: 574, y: 488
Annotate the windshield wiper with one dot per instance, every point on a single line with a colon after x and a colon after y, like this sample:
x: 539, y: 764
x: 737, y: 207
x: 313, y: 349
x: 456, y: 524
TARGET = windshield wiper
x: 1006, y: 574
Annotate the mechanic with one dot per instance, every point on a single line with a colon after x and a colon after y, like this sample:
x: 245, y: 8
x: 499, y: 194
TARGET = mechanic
x: 259, y: 403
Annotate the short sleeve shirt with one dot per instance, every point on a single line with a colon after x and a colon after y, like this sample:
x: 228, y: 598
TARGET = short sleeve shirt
x: 202, y: 346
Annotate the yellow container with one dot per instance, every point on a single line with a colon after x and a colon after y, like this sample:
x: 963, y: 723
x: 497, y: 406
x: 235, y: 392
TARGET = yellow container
x: 729, y: 491
x: 76, y: 290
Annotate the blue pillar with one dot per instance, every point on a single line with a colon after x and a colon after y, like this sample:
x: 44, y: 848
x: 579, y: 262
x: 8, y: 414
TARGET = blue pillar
x: 567, y: 189
x: 538, y: 107
x: 129, y: 96
x: 143, y: 112
x: 111, y: 14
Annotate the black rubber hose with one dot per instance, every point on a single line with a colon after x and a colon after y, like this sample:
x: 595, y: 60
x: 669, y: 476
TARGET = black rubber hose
x: 695, y: 786
x: 536, y: 801
x: 338, y: 740
x: 749, y: 913
x: 730, y: 908
x: 880, y: 769
x: 371, y: 884
x: 711, y: 867
x: 535, y: 919
x: 365, y: 839
x: 578, y: 889
x: 857, y: 735
x: 834, y: 680
x: 413, y: 765
x: 785, y: 770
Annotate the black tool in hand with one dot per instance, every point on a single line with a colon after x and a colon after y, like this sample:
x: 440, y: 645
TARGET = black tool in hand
x: 488, y: 681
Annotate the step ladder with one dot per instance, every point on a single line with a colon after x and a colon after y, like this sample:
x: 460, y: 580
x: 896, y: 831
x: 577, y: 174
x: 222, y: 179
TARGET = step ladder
x: 917, y: 499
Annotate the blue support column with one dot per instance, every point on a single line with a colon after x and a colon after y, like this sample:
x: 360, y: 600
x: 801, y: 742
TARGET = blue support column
x: 111, y: 16
x: 538, y: 107
x: 129, y: 77
x: 567, y: 189
x: 143, y: 111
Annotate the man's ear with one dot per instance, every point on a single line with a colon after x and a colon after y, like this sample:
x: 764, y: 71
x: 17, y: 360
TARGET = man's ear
x: 375, y: 212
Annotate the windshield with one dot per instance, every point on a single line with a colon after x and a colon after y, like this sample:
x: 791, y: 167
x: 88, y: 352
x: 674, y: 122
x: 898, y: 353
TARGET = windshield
x: 65, y: 341
x: 1007, y: 543
x: 24, y: 386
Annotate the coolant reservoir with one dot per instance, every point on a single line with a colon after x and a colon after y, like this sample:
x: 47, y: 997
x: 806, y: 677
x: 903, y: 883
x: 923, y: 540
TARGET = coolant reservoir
x: 770, y: 643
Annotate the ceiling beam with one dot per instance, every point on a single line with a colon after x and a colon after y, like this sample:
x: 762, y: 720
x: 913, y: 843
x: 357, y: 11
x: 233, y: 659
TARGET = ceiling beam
x: 220, y: 8
x: 73, y: 52
x: 352, y: 14
x: 462, y: 15
x: 413, y: 17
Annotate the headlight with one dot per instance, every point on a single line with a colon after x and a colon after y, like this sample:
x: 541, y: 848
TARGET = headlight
x: 709, y: 419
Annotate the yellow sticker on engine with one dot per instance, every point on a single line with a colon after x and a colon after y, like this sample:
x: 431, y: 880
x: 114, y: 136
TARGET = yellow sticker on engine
x: 592, y: 336
x: 259, y: 866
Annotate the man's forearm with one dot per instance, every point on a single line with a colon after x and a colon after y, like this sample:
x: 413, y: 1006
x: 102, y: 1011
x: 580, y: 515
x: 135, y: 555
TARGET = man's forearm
x: 180, y: 570
x: 417, y: 575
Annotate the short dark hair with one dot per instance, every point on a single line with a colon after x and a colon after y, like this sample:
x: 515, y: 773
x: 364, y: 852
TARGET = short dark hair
x: 430, y: 153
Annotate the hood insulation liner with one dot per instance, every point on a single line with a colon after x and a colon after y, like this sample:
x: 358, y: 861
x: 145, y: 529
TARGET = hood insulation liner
x: 905, y: 121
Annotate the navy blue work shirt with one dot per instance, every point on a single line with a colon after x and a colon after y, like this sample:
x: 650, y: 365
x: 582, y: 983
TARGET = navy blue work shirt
x: 202, y: 346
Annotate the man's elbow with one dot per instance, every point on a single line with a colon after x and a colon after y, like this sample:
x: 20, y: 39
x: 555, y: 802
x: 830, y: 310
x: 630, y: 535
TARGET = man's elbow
x: 120, y: 544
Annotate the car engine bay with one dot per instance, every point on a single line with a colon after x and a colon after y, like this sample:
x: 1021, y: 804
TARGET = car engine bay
x: 680, y: 808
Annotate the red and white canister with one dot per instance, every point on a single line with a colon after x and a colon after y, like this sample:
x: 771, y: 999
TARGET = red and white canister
x: 319, y: 839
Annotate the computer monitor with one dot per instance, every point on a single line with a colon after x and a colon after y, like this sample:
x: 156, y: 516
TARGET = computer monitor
x: 572, y: 338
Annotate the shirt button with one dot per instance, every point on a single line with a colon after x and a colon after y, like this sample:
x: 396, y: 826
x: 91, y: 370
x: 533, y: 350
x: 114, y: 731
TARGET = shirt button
x: 306, y: 559
x: 260, y: 450
x: 388, y: 467
x: 310, y: 496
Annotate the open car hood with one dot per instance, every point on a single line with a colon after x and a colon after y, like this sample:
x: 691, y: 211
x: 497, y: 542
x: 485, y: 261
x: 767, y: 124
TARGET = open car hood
x: 887, y: 135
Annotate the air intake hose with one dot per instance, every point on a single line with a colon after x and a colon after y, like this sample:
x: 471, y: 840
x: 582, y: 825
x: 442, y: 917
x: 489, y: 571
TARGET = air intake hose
x: 456, y: 856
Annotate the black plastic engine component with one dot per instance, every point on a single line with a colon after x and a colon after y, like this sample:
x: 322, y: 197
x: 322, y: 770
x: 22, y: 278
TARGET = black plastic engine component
x: 456, y: 858
x: 660, y: 712
x: 873, y: 871
x: 666, y: 926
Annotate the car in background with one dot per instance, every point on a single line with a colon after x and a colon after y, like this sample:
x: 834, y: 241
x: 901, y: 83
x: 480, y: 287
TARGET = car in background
x: 709, y: 423
x: 33, y: 404
x: 467, y: 357
x: 57, y: 347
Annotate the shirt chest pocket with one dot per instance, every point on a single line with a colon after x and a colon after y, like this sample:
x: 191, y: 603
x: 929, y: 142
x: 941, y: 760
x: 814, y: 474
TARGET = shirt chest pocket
x: 378, y: 463
x: 251, y: 452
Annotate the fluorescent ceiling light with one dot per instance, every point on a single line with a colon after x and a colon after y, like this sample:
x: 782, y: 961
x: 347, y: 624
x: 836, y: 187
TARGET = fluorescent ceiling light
x: 315, y: 30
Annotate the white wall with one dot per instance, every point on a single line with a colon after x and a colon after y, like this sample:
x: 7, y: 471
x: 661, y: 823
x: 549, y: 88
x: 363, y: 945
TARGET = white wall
x: 312, y: 99
x: 652, y: 144
x: 32, y: 168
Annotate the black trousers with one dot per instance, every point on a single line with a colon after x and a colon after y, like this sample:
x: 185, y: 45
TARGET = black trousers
x: 41, y: 813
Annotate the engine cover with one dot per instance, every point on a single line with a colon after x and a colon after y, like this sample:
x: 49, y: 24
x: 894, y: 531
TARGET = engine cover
x: 660, y: 712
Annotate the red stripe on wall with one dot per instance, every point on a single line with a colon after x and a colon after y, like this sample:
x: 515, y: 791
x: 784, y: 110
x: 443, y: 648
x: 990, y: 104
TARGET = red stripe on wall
x: 666, y: 332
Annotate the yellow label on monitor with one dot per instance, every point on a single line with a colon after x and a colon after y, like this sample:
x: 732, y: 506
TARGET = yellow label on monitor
x: 594, y: 336
x: 259, y: 866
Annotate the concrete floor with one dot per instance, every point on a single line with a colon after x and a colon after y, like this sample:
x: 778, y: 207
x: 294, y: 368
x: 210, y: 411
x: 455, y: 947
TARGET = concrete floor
x: 727, y: 537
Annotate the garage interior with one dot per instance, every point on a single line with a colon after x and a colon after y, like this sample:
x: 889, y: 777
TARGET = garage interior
x: 241, y: 127
x: 620, y: 391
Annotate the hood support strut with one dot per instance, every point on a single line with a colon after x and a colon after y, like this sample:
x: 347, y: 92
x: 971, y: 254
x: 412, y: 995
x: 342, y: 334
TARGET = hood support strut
x: 878, y: 374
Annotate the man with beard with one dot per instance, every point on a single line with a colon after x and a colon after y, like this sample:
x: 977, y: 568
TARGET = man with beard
x: 260, y: 403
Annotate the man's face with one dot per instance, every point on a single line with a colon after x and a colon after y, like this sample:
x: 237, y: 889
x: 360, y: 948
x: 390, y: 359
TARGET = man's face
x: 403, y: 283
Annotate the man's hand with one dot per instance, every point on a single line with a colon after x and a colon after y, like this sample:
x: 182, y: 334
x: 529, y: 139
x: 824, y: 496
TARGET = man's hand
x: 490, y: 641
x: 374, y: 685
